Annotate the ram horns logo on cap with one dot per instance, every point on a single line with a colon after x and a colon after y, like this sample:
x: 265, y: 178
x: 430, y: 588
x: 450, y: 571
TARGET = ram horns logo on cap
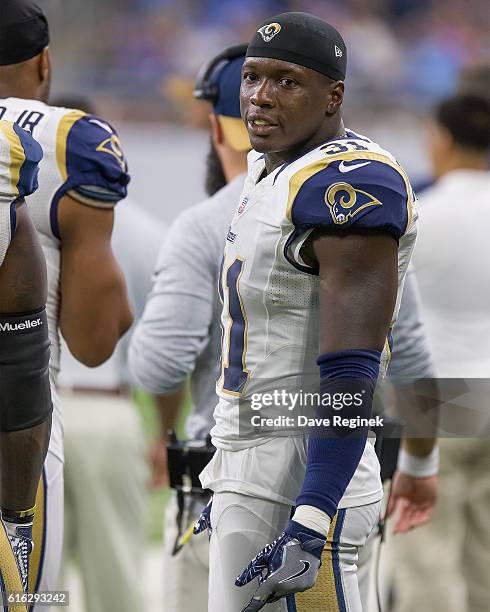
x: 269, y: 31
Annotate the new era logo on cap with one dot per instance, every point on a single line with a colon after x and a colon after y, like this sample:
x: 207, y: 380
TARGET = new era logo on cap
x: 338, y: 51
x: 269, y: 31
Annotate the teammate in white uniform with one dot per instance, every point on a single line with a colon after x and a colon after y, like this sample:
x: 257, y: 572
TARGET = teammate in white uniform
x: 326, y: 219
x: 25, y: 398
x: 82, y: 176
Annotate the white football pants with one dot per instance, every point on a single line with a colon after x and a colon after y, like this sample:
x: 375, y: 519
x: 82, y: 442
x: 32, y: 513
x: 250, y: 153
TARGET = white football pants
x: 243, y: 525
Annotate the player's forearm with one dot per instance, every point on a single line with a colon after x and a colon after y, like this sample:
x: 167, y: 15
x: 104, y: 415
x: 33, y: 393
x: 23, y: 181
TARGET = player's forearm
x: 418, y: 407
x: 168, y: 408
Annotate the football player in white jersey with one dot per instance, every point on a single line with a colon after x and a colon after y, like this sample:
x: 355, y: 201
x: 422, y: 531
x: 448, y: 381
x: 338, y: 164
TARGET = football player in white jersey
x: 25, y: 396
x: 82, y: 176
x: 313, y: 271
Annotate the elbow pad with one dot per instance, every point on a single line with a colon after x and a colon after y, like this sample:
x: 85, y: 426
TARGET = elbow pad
x: 25, y: 392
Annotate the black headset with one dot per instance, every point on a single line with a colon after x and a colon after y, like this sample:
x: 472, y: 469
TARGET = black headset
x: 205, y: 87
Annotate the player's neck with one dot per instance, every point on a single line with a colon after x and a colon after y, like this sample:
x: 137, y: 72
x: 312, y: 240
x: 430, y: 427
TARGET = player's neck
x: 23, y: 93
x: 29, y: 80
x: 274, y: 160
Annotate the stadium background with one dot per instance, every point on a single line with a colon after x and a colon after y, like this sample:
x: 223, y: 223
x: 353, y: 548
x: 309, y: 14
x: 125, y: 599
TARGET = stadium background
x: 136, y: 60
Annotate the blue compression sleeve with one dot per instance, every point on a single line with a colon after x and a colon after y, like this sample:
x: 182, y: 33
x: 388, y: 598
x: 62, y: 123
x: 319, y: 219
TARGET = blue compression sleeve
x: 335, y: 451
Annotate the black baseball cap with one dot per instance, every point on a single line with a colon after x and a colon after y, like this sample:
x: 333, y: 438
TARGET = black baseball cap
x: 24, y: 31
x: 303, y: 39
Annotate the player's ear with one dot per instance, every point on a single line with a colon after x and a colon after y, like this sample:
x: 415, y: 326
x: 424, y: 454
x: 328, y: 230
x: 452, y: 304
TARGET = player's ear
x: 216, y: 130
x: 44, y: 65
x: 335, y: 98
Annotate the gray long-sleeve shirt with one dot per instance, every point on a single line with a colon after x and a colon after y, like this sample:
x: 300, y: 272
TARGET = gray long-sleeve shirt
x: 179, y: 333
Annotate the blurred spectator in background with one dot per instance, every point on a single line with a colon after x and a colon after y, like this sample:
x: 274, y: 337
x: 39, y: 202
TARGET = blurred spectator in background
x: 474, y: 80
x: 179, y: 334
x: 403, y: 54
x: 105, y: 454
x: 444, y: 565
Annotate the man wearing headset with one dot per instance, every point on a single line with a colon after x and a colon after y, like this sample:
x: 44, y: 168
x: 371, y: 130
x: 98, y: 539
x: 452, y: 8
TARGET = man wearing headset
x: 179, y: 332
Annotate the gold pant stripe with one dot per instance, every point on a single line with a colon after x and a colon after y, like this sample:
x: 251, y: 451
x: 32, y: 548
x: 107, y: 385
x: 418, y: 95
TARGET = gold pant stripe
x: 38, y: 535
x: 10, y: 581
x: 324, y: 596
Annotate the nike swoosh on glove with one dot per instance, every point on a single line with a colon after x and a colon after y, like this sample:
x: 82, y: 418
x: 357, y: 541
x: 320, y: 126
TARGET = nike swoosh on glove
x: 289, y: 565
x: 204, y: 520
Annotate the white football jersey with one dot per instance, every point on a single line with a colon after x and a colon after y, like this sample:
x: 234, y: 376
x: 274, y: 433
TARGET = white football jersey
x: 270, y: 295
x: 82, y: 158
x: 20, y: 155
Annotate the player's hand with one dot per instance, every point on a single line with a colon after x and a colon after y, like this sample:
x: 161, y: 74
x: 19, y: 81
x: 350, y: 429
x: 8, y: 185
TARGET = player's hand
x: 412, y: 500
x: 289, y: 565
x: 159, y: 465
x: 204, y: 521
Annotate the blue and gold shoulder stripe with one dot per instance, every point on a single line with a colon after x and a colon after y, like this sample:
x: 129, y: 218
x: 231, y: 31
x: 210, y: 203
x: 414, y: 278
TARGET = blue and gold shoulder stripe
x: 362, y: 189
x: 19, y: 162
x: 90, y: 158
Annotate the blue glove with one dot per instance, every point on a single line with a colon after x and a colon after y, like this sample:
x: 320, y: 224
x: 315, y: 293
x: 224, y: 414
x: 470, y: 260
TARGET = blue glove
x: 204, y: 520
x: 289, y: 565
